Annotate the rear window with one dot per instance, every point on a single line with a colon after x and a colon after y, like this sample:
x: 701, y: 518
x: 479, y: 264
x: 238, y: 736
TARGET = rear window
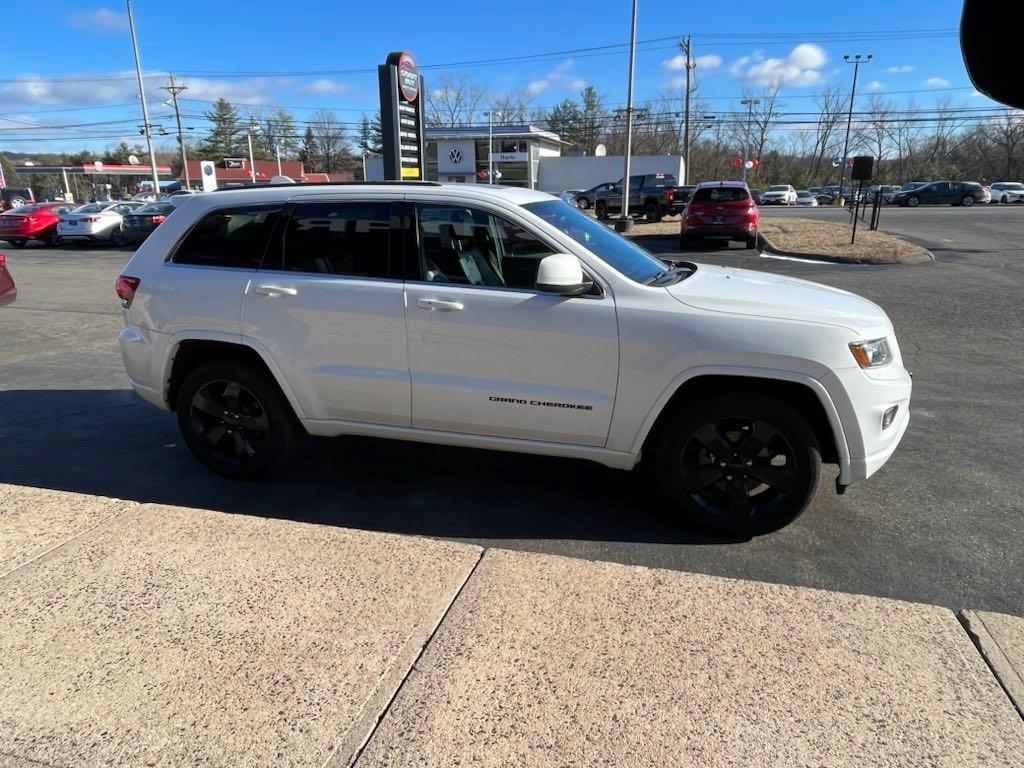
x: 91, y: 208
x: 230, y: 237
x: 720, y: 195
x: 155, y: 208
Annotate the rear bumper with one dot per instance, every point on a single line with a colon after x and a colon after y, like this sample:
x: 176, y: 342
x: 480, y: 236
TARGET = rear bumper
x: 132, y: 235
x: 731, y: 232
x: 27, y: 233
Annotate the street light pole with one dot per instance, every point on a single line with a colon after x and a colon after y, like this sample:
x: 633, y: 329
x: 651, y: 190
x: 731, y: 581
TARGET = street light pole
x: 252, y: 162
x: 277, y: 147
x: 142, y: 98
x: 625, y: 223
x: 856, y: 60
x: 685, y: 45
x: 749, y: 103
x: 490, y: 148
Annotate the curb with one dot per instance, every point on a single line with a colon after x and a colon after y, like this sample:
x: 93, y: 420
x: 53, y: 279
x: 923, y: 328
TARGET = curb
x: 767, y: 248
x: 1002, y: 668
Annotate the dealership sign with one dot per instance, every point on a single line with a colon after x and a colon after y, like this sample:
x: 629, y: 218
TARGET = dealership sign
x: 401, y: 117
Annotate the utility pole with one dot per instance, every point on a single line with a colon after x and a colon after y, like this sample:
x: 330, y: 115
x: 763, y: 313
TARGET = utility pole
x: 684, y: 46
x: 277, y: 147
x: 856, y: 60
x: 252, y: 162
x: 142, y: 98
x: 490, y: 147
x: 174, y: 90
x: 749, y: 103
x: 625, y: 223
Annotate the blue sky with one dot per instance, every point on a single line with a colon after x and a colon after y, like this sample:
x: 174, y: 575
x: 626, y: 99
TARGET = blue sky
x: 306, y: 55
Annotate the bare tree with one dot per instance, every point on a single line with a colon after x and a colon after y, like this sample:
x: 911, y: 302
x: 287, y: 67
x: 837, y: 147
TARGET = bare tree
x: 1006, y: 134
x: 510, y: 108
x: 331, y: 140
x: 830, y: 106
x: 454, y: 100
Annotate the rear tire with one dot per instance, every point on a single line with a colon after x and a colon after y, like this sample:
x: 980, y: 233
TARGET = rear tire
x: 751, y: 243
x: 235, y: 420
x: 17, y: 243
x: 601, y: 210
x: 652, y: 212
x: 967, y: 202
x: 771, y: 457
x: 54, y: 239
x: 117, y: 236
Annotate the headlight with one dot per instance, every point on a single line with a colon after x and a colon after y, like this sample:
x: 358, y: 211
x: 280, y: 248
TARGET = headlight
x: 871, y: 354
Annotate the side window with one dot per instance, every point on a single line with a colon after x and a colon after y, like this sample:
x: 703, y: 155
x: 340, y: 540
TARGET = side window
x: 471, y: 247
x: 339, y: 238
x: 229, y: 238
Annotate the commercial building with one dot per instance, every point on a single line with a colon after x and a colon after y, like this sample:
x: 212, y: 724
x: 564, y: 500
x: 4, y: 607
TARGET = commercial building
x: 523, y: 156
x: 235, y: 171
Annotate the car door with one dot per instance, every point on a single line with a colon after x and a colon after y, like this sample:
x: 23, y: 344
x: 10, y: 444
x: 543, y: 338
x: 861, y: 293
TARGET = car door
x: 489, y: 354
x: 327, y: 304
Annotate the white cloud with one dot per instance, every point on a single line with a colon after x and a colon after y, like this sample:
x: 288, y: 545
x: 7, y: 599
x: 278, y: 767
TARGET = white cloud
x: 801, y: 67
x: 676, y: 83
x: 560, y: 77
x: 324, y: 86
x: 87, y: 90
x: 101, y: 20
x: 876, y: 85
x: 936, y: 82
x: 901, y: 68
x: 678, y: 63
x: 710, y: 61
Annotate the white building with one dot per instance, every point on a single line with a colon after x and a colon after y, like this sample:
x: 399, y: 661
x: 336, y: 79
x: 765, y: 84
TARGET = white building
x: 523, y: 156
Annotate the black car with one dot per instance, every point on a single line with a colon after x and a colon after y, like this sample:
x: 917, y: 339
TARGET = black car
x: 140, y: 222
x: 15, y: 197
x: 588, y: 197
x: 941, y: 193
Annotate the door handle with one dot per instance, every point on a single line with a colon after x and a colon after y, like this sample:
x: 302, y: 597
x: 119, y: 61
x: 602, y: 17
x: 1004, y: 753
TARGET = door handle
x: 445, y: 306
x: 275, y: 290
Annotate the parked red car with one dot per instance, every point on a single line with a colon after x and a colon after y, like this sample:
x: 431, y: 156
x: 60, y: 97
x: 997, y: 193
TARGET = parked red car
x: 36, y: 221
x: 720, y: 209
x: 8, y: 291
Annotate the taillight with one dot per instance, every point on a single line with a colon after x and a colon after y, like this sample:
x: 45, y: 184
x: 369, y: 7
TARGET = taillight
x: 31, y: 219
x: 669, y: 194
x: 90, y: 218
x: 125, y: 288
x: 158, y: 219
x: 3, y: 260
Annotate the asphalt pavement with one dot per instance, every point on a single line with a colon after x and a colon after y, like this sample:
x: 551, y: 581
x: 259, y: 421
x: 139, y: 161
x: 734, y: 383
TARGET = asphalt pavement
x: 941, y: 523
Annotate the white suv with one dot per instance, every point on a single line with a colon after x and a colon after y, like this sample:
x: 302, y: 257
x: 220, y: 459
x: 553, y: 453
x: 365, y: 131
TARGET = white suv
x: 779, y: 194
x: 505, y: 319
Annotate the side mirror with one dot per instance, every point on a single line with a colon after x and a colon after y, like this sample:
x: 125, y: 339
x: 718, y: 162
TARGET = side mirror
x: 562, y: 274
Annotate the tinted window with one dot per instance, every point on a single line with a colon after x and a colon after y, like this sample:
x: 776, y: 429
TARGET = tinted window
x: 616, y: 251
x: 229, y: 238
x: 720, y: 194
x: 155, y: 208
x: 778, y: 188
x: 471, y: 247
x: 339, y: 238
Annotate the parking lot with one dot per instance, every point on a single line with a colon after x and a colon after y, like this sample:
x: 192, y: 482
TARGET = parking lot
x: 942, y: 522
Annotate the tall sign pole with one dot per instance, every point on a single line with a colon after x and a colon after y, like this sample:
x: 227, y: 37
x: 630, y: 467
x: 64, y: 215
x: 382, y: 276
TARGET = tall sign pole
x: 142, y: 98
x: 625, y: 223
x: 401, y: 117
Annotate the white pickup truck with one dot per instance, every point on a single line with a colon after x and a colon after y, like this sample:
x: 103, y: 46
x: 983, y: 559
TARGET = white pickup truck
x: 504, y: 319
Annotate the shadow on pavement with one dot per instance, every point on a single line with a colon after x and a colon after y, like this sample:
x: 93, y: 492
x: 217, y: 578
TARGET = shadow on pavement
x: 109, y: 442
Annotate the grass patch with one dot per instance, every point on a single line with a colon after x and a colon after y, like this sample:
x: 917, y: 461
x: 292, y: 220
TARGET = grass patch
x: 806, y: 236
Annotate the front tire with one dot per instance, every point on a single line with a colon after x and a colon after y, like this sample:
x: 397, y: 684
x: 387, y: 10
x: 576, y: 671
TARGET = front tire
x: 913, y: 202
x: 235, y: 420
x: 739, y: 464
x: 582, y: 203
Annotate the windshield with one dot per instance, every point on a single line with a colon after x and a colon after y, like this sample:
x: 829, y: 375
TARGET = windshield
x: 618, y: 252
x: 720, y: 194
x: 778, y: 188
x: 155, y: 208
x: 803, y: 194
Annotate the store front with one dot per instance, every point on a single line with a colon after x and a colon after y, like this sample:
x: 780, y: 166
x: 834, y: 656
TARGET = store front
x: 461, y: 155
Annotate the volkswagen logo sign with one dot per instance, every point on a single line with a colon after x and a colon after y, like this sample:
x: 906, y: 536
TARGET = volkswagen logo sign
x: 455, y: 155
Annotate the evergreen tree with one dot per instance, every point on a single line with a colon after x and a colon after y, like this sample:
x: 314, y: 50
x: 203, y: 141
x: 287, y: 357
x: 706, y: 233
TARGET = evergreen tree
x: 223, y: 138
x: 593, y: 118
x: 308, y: 151
x: 365, y: 131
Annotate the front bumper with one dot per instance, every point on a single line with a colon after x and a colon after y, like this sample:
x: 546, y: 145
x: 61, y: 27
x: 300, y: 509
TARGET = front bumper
x: 862, y: 400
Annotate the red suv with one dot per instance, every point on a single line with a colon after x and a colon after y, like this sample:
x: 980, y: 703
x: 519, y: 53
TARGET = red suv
x: 35, y: 221
x: 720, y: 209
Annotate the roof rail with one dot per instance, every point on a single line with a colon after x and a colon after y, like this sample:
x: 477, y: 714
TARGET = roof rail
x: 304, y: 184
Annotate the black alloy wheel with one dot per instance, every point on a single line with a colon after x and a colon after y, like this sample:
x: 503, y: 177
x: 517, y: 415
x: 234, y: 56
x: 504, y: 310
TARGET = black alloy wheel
x: 235, y: 420
x: 740, y: 464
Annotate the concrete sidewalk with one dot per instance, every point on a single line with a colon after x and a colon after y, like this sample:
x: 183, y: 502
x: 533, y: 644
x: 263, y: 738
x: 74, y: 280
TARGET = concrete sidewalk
x: 148, y: 635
